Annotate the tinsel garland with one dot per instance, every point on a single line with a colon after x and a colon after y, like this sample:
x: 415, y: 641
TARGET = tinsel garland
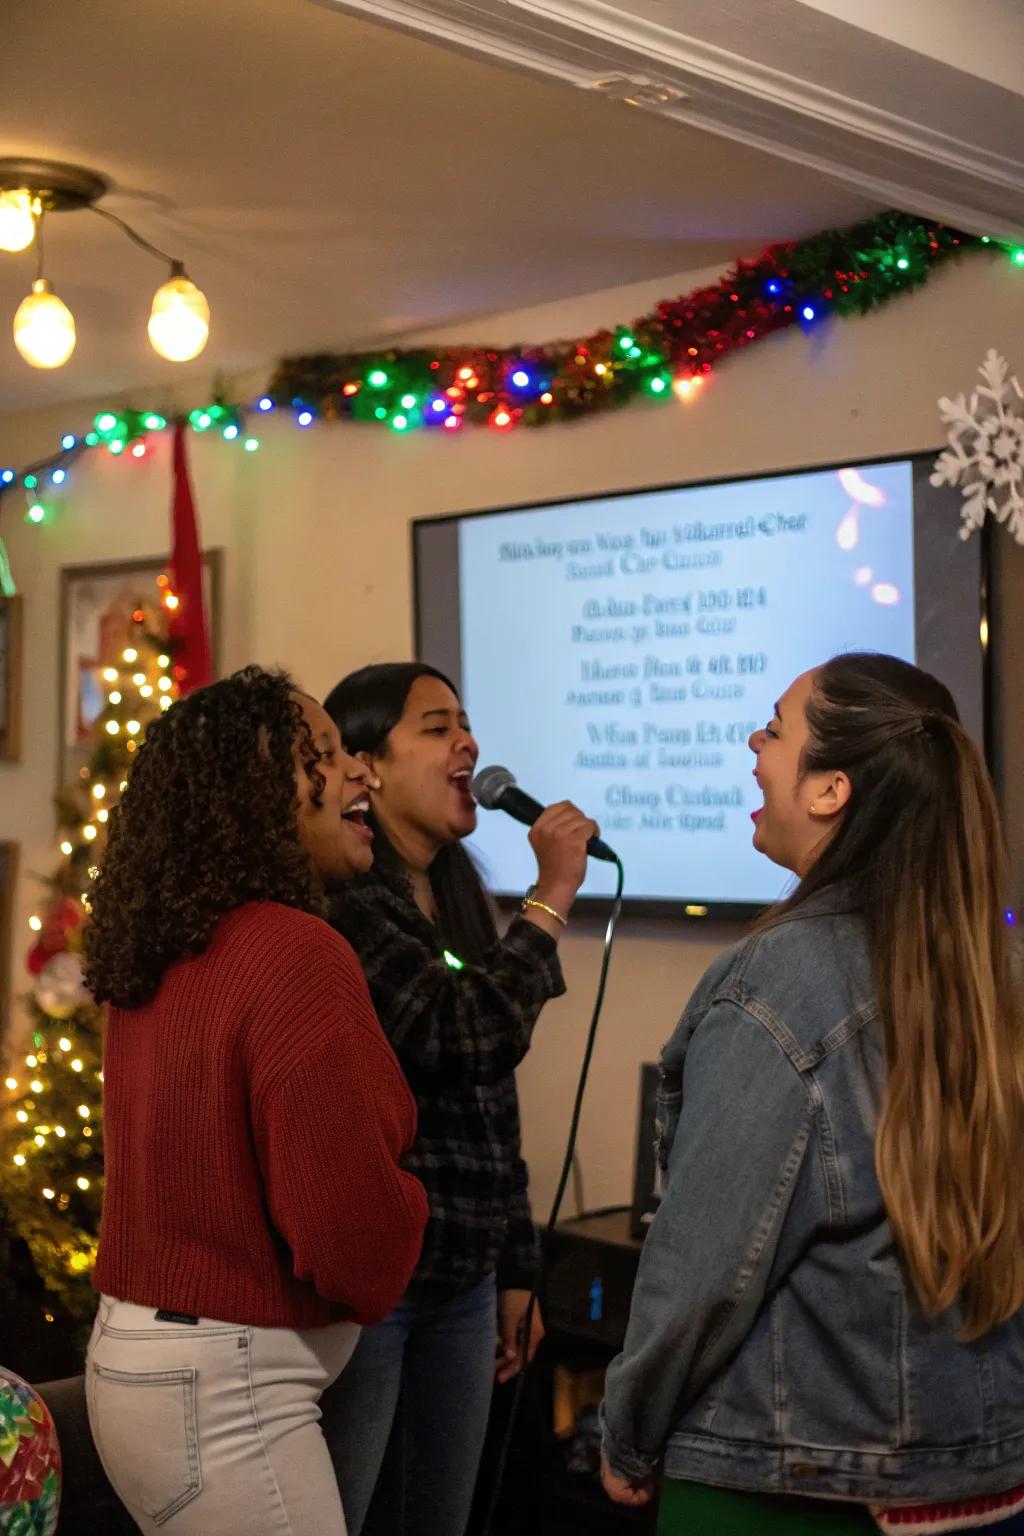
x: 670, y: 350
x: 840, y: 272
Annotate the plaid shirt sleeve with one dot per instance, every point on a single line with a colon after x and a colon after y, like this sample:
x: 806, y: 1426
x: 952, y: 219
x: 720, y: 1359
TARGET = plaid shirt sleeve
x: 517, y: 1262
x: 468, y: 1025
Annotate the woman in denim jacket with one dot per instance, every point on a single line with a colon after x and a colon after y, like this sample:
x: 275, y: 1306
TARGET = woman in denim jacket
x: 827, y: 1330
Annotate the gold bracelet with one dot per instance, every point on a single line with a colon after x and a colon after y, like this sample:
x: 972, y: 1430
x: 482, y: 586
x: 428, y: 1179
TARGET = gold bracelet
x: 543, y: 907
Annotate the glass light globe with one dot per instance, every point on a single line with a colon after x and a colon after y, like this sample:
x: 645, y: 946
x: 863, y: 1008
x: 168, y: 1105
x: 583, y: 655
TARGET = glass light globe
x: 179, y: 322
x: 17, y: 222
x: 44, y: 328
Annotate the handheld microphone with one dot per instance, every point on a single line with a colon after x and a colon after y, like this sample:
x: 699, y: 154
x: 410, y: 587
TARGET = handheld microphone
x: 496, y: 790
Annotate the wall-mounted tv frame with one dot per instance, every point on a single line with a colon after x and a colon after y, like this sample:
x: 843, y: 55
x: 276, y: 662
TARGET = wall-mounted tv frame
x: 951, y: 585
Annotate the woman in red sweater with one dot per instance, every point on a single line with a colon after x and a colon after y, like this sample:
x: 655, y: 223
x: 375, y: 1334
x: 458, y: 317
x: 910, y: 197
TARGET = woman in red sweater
x: 255, y: 1213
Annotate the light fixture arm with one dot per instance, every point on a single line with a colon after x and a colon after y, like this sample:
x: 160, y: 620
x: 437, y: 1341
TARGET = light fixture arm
x: 44, y: 327
x: 178, y: 267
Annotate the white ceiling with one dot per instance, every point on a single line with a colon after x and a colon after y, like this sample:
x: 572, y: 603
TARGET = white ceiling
x: 920, y: 104
x: 330, y: 182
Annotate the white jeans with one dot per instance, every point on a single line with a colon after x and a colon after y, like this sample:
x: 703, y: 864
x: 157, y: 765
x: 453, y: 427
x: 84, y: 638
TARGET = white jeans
x: 211, y: 1429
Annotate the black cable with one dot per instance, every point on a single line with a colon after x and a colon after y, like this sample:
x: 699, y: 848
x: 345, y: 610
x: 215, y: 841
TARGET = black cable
x: 132, y: 234
x: 556, y: 1204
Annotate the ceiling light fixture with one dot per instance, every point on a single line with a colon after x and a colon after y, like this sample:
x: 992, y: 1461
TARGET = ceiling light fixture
x: 18, y: 215
x: 44, y: 327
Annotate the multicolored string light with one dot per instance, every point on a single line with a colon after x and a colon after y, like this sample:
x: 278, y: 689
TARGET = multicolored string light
x: 667, y: 353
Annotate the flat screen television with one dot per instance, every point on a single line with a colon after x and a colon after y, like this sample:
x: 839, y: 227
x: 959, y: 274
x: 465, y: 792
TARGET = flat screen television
x: 618, y: 650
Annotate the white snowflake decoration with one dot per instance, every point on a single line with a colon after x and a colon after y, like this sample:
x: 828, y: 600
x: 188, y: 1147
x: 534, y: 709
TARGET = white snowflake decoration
x: 985, y: 456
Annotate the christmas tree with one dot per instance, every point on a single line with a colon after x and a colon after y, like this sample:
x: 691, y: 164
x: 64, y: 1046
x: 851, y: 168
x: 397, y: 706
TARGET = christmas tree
x: 51, y: 1125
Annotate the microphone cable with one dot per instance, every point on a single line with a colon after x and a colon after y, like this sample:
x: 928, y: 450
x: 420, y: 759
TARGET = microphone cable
x: 556, y: 1204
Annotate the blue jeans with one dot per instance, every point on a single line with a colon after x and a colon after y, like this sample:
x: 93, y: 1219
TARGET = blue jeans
x: 405, y: 1421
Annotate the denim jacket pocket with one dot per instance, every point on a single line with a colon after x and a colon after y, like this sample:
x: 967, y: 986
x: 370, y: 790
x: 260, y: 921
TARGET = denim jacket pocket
x: 156, y: 1409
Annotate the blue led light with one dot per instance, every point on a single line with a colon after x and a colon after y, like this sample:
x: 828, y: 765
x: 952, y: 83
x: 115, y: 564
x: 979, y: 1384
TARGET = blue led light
x: 68, y: 440
x: 773, y: 287
x: 439, y: 405
x: 59, y: 476
x: 7, y: 476
x: 521, y: 378
x: 807, y: 312
x: 266, y: 404
x: 305, y: 418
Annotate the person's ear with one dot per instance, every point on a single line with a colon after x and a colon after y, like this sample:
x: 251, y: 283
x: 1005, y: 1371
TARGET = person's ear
x: 832, y: 798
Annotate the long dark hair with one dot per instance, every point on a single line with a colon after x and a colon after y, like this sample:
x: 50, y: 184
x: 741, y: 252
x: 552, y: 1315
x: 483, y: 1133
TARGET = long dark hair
x: 366, y: 706
x: 207, y: 823
x: 920, y: 849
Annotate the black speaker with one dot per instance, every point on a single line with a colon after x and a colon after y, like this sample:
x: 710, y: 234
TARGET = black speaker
x: 591, y: 1268
x: 645, y: 1177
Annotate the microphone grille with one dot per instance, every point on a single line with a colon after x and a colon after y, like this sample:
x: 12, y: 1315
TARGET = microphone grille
x: 490, y: 784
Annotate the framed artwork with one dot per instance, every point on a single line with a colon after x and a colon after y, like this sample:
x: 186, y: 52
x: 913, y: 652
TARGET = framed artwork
x: 8, y: 878
x: 10, y: 678
x: 96, y: 607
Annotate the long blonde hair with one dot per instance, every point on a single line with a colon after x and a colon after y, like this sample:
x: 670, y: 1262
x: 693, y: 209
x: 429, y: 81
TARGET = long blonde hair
x: 921, y: 849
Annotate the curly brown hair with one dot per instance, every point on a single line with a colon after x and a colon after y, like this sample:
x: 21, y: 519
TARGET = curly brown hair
x: 206, y: 823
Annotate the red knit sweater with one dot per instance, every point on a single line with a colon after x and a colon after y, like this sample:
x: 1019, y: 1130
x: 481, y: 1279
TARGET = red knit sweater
x: 254, y: 1117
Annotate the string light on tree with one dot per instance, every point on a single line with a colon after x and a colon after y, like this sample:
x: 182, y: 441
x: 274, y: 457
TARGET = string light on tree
x: 51, y: 1173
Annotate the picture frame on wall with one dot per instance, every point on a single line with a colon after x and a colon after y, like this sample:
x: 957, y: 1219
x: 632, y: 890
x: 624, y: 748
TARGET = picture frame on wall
x: 96, y: 607
x: 10, y: 678
x: 8, y: 880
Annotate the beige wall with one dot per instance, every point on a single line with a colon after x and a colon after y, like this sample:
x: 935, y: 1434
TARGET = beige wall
x: 316, y: 532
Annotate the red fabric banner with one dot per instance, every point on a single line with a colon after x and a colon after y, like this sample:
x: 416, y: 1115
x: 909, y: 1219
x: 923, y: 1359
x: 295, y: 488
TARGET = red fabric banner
x: 189, y: 630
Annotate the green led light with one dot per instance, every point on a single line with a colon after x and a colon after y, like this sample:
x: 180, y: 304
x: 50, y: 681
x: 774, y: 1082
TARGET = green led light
x: 91, y: 439
x: 36, y: 512
x: 380, y: 413
x: 107, y: 422
x: 30, y: 482
x: 658, y: 386
x: 116, y: 445
x: 400, y: 423
x: 453, y: 960
x: 378, y: 378
x: 153, y: 422
x: 1018, y: 256
x: 251, y: 444
x: 408, y: 402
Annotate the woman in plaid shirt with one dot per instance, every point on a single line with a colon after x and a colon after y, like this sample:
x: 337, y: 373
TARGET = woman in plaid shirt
x: 406, y: 1422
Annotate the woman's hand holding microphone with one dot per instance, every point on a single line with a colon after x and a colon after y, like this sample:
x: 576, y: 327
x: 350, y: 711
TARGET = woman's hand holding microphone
x: 559, y: 838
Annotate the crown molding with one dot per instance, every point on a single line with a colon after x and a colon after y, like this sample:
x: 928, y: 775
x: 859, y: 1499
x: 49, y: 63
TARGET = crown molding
x: 598, y: 47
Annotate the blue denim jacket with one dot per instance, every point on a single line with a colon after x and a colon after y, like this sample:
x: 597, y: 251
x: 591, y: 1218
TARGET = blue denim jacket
x: 774, y: 1341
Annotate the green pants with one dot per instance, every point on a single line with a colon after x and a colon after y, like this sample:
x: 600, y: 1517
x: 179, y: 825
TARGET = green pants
x: 693, y: 1509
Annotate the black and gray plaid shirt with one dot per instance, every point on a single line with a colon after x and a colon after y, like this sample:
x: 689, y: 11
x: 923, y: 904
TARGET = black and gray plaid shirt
x: 459, y: 1035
